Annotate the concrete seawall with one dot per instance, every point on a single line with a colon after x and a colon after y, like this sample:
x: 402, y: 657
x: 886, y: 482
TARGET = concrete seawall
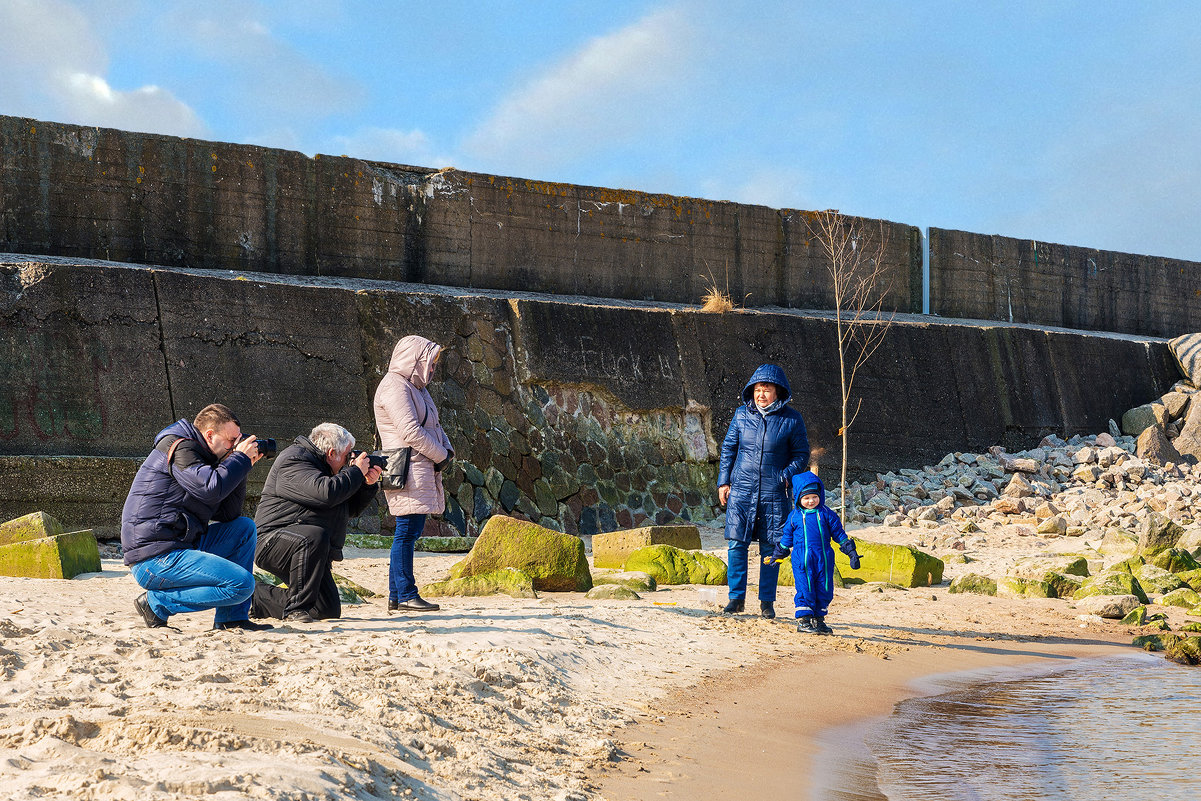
x: 585, y: 414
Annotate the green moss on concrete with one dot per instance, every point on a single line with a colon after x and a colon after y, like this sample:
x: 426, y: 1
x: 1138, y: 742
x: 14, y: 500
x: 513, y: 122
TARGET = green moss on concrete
x: 506, y: 581
x: 555, y: 561
x: 351, y: 592
x: 1186, y: 651
x: 1191, y: 578
x: 613, y: 548
x: 1157, y: 580
x: 612, y: 592
x: 1112, y: 582
x: 1192, y: 628
x: 34, y: 526
x: 1155, y: 642
x: 1157, y: 534
x: 368, y: 541
x: 634, y: 580
x: 1136, y: 616
x: 1175, y: 560
x: 896, y: 564
x: 442, y: 544
x: 974, y: 583
x: 1185, y: 597
x: 1118, y: 542
x: 63, y: 556
x: 670, y: 565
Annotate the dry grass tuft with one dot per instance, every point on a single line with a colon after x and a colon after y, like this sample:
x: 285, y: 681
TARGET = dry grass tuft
x: 716, y: 301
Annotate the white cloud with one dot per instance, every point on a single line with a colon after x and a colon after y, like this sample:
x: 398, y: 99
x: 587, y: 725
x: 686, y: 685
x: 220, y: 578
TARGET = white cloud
x: 606, y: 93
x: 776, y: 187
x: 392, y: 145
x: 54, y: 66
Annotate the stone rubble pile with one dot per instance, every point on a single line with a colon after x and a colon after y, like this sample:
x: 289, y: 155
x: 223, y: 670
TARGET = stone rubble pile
x: 1167, y: 429
x: 1084, y: 485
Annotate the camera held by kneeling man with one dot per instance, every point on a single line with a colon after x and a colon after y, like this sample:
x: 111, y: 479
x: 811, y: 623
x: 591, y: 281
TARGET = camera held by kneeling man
x: 315, y: 486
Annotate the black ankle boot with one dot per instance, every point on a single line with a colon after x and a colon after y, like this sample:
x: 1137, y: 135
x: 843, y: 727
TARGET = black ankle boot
x: 767, y: 609
x: 819, y: 623
x: 735, y: 605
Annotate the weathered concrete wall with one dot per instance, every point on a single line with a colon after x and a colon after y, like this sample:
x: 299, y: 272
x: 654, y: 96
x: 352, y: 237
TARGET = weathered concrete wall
x: 1020, y: 280
x: 581, y: 414
x: 99, y: 193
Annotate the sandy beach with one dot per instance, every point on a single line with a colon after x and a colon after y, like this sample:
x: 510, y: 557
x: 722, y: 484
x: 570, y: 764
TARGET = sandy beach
x: 559, y: 697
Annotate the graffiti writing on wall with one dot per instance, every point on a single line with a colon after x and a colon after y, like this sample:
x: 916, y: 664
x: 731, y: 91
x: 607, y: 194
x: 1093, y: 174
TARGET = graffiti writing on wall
x: 623, y: 368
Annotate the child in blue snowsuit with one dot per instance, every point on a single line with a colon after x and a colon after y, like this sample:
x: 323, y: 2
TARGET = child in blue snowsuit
x: 807, y: 533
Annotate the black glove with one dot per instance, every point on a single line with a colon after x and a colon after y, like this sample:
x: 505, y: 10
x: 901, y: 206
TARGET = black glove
x: 854, y: 557
x: 442, y: 465
x: 778, y: 555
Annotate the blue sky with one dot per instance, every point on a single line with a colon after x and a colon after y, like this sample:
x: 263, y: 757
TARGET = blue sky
x: 1070, y: 122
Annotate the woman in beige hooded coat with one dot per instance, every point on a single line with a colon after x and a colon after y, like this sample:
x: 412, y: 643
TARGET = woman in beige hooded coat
x: 406, y: 417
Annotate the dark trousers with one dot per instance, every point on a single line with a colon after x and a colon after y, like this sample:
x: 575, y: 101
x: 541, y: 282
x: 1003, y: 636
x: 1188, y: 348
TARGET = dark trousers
x: 299, y: 557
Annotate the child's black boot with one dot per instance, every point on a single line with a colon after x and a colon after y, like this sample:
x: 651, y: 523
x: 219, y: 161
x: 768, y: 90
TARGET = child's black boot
x: 819, y: 623
x: 805, y: 625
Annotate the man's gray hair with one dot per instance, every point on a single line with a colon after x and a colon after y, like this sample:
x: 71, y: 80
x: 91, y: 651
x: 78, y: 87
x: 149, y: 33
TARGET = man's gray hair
x: 331, y: 437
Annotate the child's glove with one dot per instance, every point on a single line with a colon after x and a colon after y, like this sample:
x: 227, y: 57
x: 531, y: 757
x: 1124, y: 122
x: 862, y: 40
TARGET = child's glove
x: 848, y: 548
x: 778, y: 555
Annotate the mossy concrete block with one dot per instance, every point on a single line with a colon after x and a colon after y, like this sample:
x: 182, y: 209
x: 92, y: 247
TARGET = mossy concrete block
x: 1192, y: 628
x: 1186, y: 651
x: 975, y: 584
x: 32, y: 526
x: 1136, y: 616
x: 1175, y: 560
x: 555, y: 561
x: 1185, y: 597
x: 788, y: 579
x: 1156, y: 534
x: 1155, y: 642
x: 612, y: 592
x: 613, y: 548
x: 1191, y: 578
x: 62, y: 557
x: 442, y: 544
x: 1111, y: 582
x: 634, y: 580
x: 1045, y: 585
x: 351, y: 592
x: 1157, y: 580
x: 505, y: 581
x: 895, y: 564
x: 670, y: 565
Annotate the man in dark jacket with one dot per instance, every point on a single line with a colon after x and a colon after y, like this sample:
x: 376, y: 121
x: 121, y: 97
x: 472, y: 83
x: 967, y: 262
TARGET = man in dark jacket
x: 765, y: 446
x: 315, y: 486
x: 185, y: 540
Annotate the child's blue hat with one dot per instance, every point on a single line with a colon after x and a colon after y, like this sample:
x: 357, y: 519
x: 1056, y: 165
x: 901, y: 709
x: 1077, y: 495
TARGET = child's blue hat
x: 806, y: 484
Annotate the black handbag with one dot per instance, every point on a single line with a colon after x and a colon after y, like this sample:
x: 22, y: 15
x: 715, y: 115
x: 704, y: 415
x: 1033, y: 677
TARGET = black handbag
x: 397, y: 472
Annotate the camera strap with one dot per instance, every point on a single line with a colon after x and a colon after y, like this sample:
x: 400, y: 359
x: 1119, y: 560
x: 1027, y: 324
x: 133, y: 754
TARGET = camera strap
x: 171, y: 455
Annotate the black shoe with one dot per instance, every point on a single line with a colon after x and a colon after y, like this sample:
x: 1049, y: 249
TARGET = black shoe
x: 767, y: 609
x: 735, y: 605
x: 299, y: 616
x: 805, y: 625
x: 153, y: 621
x: 244, y: 625
x: 393, y: 605
x: 820, y: 624
x: 417, y: 604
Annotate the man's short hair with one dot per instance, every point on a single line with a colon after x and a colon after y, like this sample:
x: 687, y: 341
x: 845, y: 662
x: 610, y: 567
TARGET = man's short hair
x: 331, y: 437
x: 214, y: 416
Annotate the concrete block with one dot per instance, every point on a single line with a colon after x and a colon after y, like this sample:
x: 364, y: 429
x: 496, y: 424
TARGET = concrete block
x: 32, y: 526
x: 62, y: 557
x: 613, y: 548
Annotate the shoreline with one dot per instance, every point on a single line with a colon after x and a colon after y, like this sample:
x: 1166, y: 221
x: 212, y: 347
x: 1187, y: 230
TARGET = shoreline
x: 733, y: 734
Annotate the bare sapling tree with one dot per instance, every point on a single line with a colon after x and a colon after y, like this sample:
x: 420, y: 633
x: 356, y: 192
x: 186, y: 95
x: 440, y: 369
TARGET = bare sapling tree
x: 861, y: 286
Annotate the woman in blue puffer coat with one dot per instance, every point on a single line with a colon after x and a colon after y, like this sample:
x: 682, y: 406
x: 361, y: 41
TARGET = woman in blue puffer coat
x: 764, y: 448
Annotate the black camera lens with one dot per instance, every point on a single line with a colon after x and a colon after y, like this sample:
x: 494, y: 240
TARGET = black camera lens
x: 266, y: 447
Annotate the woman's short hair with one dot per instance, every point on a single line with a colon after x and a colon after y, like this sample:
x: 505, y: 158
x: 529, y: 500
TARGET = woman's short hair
x: 331, y: 437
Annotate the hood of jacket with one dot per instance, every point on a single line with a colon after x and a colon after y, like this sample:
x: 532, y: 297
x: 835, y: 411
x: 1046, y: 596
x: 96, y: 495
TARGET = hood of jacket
x: 413, y: 360
x: 772, y: 374
x: 182, y: 428
x: 803, y: 484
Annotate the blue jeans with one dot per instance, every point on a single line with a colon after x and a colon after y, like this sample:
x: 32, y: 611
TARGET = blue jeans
x: 216, y: 574
x: 402, y: 586
x: 736, y: 564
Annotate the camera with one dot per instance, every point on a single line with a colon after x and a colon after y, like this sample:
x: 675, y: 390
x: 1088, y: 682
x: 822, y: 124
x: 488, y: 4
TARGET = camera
x: 267, y: 447
x: 373, y: 459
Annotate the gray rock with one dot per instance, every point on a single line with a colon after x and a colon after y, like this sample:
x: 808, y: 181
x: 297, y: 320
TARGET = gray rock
x: 1112, y: 607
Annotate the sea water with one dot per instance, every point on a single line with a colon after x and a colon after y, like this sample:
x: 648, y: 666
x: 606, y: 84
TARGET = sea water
x: 1109, y: 728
